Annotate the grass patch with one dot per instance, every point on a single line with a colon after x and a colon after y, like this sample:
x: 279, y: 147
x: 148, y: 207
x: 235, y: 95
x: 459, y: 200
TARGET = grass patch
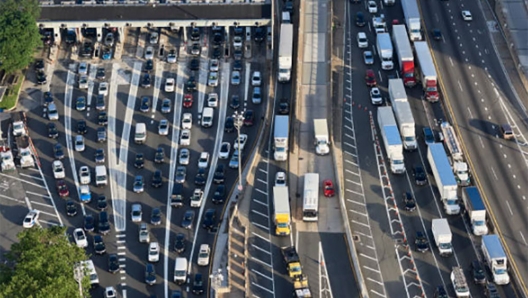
x: 10, y: 99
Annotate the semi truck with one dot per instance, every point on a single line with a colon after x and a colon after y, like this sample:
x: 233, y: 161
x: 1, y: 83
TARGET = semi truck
x: 496, y: 259
x: 379, y: 24
x: 475, y: 209
x: 426, y: 71
x: 19, y: 124
x: 403, y: 113
x: 412, y: 19
x: 385, y: 51
x: 285, y: 53
x: 322, y: 140
x: 442, y: 236
x: 281, y: 211
x: 460, y: 284
x: 403, y: 48
x: 293, y: 262
x: 280, y: 138
x: 456, y: 156
x: 24, y: 152
x: 391, y: 139
x: 445, y: 180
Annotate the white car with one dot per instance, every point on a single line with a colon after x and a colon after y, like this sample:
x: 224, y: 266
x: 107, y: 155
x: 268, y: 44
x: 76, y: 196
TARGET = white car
x: 149, y: 53
x: 83, y: 68
x: 187, y: 121
x: 171, y: 57
x: 212, y: 100
x: 58, y: 169
x: 466, y: 15
x: 237, y: 42
x: 83, y: 82
x: 362, y: 40
x: 79, y: 143
x: 185, y: 137
x: 225, y: 149
x: 375, y: 96
x: 154, y: 38
x: 169, y: 85
x: 242, y: 140
x: 214, y: 65
x: 110, y: 292
x: 372, y: 7
x: 256, y: 79
x: 163, y: 127
x: 203, y: 255
x: 280, y: 179
x: 153, y: 252
x: 31, y: 219
x: 203, y: 161
x: 213, y: 79
x: 136, y: 214
x: 80, y: 238
x: 197, y: 198
x: 103, y: 88
x: 84, y: 175
x: 235, y: 78
x: 184, y: 156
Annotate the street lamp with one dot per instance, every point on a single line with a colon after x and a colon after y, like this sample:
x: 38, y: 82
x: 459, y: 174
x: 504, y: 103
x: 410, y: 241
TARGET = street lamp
x: 239, y: 121
x: 78, y: 274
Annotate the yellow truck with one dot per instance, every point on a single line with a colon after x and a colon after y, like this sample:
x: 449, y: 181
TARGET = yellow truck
x: 293, y: 263
x: 301, y: 289
x: 281, y: 211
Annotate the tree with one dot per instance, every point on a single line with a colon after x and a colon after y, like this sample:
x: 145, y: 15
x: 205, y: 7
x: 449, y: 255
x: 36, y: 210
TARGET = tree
x: 19, y: 34
x: 44, y: 260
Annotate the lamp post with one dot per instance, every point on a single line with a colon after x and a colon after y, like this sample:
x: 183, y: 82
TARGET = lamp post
x: 239, y: 121
x: 78, y: 274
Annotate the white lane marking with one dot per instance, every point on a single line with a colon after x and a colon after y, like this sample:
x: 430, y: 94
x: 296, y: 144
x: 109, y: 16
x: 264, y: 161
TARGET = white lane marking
x: 260, y: 226
x: 259, y: 213
x: 91, y: 80
x: 261, y: 249
x: 157, y: 85
x: 509, y: 207
x: 524, y: 240
x: 261, y: 262
x: 21, y: 180
x: 38, y: 194
x: 261, y: 274
x: 30, y: 176
x: 261, y: 237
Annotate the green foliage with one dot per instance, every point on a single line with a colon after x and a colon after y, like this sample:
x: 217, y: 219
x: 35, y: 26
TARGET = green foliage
x: 19, y: 34
x: 44, y: 261
x: 9, y: 101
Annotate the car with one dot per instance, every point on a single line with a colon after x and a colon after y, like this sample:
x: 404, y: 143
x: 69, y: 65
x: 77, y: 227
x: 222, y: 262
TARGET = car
x: 143, y: 233
x: 83, y: 82
x: 102, y: 118
x: 372, y: 7
x: 100, y: 73
x: 172, y: 56
x: 188, y: 219
x: 360, y: 19
x: 198, y: 287
x: 194, y: 64
x: 280, y: 179
x: 53, y: 132
x: 157, y: 179
x: 85, y: 193
x: 249, y: 118
x: 149, y: 53
x: 58, y: 152
x: 196, y: 49
x: 104, y: 223
x: 145, y: 104
x: 368, y: 57
x: 109, y: 39
x: 181, y: 174
x: 84, y: 175
x: 79, y: 143
x: 139, y: 161
x: 409, y: 202
x: 159, y: 156
x: 113, y: 264
x: 370, y: 78
x: 235, y: 77
x: 53, y: 113
x: 31, y: 219
x: 204, y: 255
x: 237, y: 42
x: 429, y: 136
x: 80, y: 103
x: 169, y: 84
x: 219, y: 174
x: 190, y: 86
x: 62, y: 188
x: 155, y: 216
x: 163, y: 127
x: 150, y: 274
x: 47, y: 98
x: 107, y: 53
x: 240, y: 142
x: 146, y: 82
x: 212, y: 81
x: 195, y: 33
x: 100, y: 104
x: 186, y: 121
x: 440, y: 292
x: 328, y: 188
x: 103, y: 89
x: 219, y: 194
x: 149, y: 66
x: 187, y: 100
x: 80, y: 238
x: 166, y: 106
x: 153, y: 38
x: 42, y: 78
x: 87, y: 49
x: 203, y: 160
x: 375, y: 96
x: 81, y: 127
x: 71, y: 208
x: 136, y: 213
x: 491, y: 291
x: 437, y: 34
x: 256, y: 98
x: 362, y: 40
x: 139, y: 185
x: 420, y: 177
x: 110, y: 292
x: 201, y: 177
x: 58, y: 169
x: 82, y: 69
x: 184, y: 156
x: 225, y: 149
x: 153, y: 252
x: 214, y: 65
x: 229, y: 125
x: 507, y: 131
x: 209, y: 220
x: 284, y: 106
x: 478, y: 273
x: 466, y: 16
x: 234, y: 161
x: 237, y: 65
x: 99, y: 245
x: 185, y: 137
x: 420, y: 242
x: 40, y: 65
x: 256, y: 79
x: 102, y: 203
x: 259, y: 31
x: 179, y: 243
x: 235, y: 102
x: 212, y: 100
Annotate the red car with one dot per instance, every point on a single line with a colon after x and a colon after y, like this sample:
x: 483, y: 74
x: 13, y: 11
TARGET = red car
x: 62, y: 189
x: 328, y: 188
x: 187, y: 100
x: 370, y: 78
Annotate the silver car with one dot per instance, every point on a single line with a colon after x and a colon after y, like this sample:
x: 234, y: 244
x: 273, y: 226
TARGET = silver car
x: 214, y: 65
x: 233, y: 163
x: 368, y: 57
x: 163, y: 127
x: 83, y: 68
x: 136, y: 213
x: 235, y: 77
x: 139, y: 185
x: 79, y: 143
x: 213, y: 79
x: 185, y: 156
x: 181, y: 173
x: 166, y: 106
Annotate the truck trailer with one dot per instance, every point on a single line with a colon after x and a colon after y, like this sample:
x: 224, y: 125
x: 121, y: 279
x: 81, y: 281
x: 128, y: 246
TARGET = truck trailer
x: 285, y: 53
x: 412, y: 19
x: 400, y: 40
x: 391, y: 139
x: 385, y: 51
x: 427, y: 71
x: 442, y: 236
x: 475, y: 209
x: 496, y: 259
x: 322, y: 139
x: 281, y: 211
x: 445, y: 180
x: 403, y: 113
x: 280, y: 138
x: 456, y: 156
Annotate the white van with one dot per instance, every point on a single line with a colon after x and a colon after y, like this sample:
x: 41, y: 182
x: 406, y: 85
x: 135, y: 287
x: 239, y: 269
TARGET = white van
x: 180, y: 271
x: 141, y: 133
x: 207, y: 117
x: 100, y: 175
x: 89, y: 270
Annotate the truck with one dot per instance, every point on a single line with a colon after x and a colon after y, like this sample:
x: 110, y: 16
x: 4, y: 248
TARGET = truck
x: 8, y: 163
x: 293, y: 262
x: 24, y: 153
x: 19, y: 124
x: 456, y: 156
x: 391, y: 139
x: 280, y: 137
x: 285, y: 53
x: 403, y: 48
x: 412, y: 19
x: 281, y: 211
x: 301, y: 288
x: 442, y: 236
x: 475, y: 209
x: 322, y: 139
x: 495, y: 259
x: 403, y: 113
x: 445, y: 180
x: 379, y: 24
x: 426, y: 71
x: 384, y: 47
x: 459, y: 282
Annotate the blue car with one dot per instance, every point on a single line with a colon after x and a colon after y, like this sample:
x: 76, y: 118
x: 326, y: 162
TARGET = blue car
x: 86, y: 194
x: 107, y: 54
x: 428, y: 135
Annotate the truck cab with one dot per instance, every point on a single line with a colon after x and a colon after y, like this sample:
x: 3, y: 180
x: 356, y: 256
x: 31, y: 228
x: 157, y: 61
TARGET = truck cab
x: 322, y: 139
x: 6, y: 156
x: 293, y: 262
x: 24, y: 152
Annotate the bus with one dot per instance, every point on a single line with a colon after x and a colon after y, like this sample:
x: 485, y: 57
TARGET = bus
x: 311, y: 197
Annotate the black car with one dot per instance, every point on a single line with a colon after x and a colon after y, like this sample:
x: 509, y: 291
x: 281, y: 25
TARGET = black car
x: 195, y: 34
x: 157, y: 179
x: 219, y: 194
x: 284, y: 107
x: 188, y: 219
x: 479, y: 276
x: 229, y: 125
x: 113, y: 263
x: 191, y: 85
x: 249, y: 118
x: 139, y: 162
x: 150, y: 274
x: 218, y: 38
x: 39, y: 65
x: 102, y: 203
x: 421, y: 243
x: 101, y: 134
x: 217, y: 53
x: 360, y: 19
x: 420, y: 177
x: 100, y: 73
x: 102, y: 119
x: 237, y: 65
x: 288, y: 6
x: 209, y: 221
x: 58, y: 152
x: 237, y: 54
x: 89, y: 223
x: 179, y: 244
x: 104, y: 224
x: 200, y: 177
x: 155, y: 216
x: 145, y: 104
x: 100, y: 104
x: 99, y: 246
x: 196, y: 49
x: 195, y: 64
x: 81, y: 127
x: 198, y: 287
x: 219, y: 174
x: 87, y: 49
x: 53, y: 132
x: 177, y: 195
x: 149, y: 65
x: 176, y: 294
x: 260, y: 33
x: 41, y: 77
x: 408, y: 200
x: 99, y: 155
x: 146, y: 82
x: 437, y: 34
x: 71, y: 208
x: 440, y: 292
x: 48, y: 98
x: 159, y: 156
x: 235, y: 102
x: 491, y: 290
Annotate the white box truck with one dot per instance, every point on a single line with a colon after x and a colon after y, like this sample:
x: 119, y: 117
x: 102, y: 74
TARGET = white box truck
x: 322, y: 139
x: 475, y: 209
x: 459, y: 282
x: 445, y: 180
x: 391, y: 139
x: 385, y: 51
x: 496, y: 259
x: 280, y: 138
x: 456, y: 156
x: 285, y: 53
x: 281, y: 211
x: 412, y: 19
x: 442, y: 236
x: 403, y: 113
